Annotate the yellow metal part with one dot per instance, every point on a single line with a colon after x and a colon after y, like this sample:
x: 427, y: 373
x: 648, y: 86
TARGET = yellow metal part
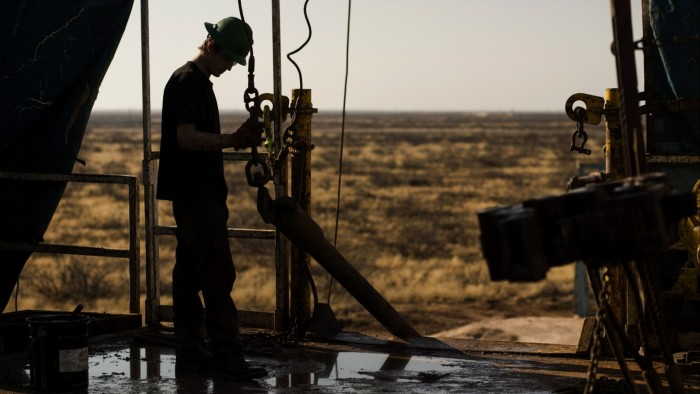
x: 614, y: 161
x: 593, y: 105
x: 284, y: 103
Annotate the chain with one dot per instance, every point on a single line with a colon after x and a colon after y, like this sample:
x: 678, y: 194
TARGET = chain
x: 579, y: 133
x: 250, y: 95
x: 598, y: 333
x: 288, y: 136
x: 257, y: 170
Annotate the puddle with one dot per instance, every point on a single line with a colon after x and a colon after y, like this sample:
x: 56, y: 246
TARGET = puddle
x: 342, y: 366
x: 301, y: 368
x: 123, y: 366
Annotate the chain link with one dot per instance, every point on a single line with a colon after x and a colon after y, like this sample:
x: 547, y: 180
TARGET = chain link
x: 598, y: 333
x: 579, y: 133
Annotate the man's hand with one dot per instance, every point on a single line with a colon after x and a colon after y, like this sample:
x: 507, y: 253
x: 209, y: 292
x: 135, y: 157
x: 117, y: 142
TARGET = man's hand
x: 249, y: 134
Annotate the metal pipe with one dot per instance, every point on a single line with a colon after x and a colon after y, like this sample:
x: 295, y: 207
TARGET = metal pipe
x: 280, y: 179
x: 622, y: 302
x: 133, y: 254
x: 630, y: 123
x: 300, y: 308
x: 134, y: 250
x: 304, y: 232
x: 145, y: 81
x: 149, y: 172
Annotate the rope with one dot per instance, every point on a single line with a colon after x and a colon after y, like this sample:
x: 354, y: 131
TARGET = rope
x: 342, y: 138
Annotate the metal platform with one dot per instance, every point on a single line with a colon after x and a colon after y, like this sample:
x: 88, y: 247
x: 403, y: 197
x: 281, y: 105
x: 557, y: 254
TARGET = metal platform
x: 137, y: 362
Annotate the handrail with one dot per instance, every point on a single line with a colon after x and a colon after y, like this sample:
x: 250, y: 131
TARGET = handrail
x: 133, y: 253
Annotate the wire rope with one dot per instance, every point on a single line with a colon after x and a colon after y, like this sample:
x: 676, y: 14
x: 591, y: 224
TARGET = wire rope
x: 308, y: 38
x: 250, y: 43
x: 342, y: 138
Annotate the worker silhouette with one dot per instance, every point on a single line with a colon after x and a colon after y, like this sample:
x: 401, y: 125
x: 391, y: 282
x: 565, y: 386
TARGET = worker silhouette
x: 191, y: 175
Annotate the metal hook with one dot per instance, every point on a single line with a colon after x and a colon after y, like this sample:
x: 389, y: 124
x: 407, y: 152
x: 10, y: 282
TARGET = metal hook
x: 580, y: 149
x: 259, y: 176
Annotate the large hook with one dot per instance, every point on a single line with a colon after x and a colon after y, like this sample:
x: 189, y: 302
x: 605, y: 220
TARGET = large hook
x: 257, y: 171
x: 593, y: 111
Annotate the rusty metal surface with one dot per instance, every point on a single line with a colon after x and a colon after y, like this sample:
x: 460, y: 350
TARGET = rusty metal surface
x: 300, y: 149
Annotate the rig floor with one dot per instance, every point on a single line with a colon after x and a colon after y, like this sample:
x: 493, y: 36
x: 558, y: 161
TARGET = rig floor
x: 138, y: 362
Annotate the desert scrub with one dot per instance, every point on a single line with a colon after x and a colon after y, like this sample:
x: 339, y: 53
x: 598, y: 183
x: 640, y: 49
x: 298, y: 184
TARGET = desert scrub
x: 411, y: 187
x: 65, y: 279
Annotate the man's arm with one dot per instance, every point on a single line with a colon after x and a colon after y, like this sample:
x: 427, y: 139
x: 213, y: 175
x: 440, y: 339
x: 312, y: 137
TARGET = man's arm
x: 190, y: 139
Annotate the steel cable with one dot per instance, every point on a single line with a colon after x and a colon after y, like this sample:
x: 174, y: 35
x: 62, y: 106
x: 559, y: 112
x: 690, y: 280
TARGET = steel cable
x: 308, y: 38
x: 342, y: 138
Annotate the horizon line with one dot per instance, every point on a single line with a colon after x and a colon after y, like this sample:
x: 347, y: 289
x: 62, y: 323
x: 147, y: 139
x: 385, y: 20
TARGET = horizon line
x: 365, y: 111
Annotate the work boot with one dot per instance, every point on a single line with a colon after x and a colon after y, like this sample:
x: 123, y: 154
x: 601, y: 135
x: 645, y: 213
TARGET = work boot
x: 235, y: 368
x: 193, y: 356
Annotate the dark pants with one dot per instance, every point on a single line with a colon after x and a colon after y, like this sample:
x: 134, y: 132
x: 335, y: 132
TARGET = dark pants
x: 203, y: 263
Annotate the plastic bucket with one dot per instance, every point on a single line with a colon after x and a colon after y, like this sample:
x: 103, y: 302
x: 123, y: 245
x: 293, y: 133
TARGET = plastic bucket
x: 58, y: 352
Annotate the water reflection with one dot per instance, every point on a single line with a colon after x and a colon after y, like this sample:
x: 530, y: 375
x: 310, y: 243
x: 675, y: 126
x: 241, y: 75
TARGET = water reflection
x: 296, y: 368
x: 337, y: 366
x: 127, y: 367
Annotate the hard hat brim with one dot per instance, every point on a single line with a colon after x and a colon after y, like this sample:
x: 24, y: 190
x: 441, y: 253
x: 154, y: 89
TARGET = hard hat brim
x: 211, y: 28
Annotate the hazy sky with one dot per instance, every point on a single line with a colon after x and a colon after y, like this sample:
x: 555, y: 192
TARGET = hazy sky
x: 405, y: 55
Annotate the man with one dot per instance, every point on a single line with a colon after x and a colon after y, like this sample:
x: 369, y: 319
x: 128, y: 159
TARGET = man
x: 191, y: 175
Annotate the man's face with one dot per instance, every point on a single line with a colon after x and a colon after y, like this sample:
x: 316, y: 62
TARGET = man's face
x: 221, y: 63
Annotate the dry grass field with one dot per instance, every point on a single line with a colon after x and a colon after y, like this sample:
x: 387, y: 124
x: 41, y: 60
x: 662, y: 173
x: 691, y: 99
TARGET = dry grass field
x: 411, y: 187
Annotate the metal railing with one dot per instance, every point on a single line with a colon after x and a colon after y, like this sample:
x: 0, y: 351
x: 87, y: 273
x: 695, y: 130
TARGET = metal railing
x: 133, y: 253
x: 164, y: 313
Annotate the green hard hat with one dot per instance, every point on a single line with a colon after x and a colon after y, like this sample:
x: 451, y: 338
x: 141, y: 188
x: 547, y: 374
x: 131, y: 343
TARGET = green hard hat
x: 228, y: 33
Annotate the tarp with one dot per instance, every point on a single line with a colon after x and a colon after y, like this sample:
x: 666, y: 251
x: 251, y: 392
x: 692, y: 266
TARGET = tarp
x: 53, y: 57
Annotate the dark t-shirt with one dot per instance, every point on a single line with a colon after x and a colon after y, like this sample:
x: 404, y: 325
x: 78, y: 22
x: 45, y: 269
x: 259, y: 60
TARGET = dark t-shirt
x: 189, y: 98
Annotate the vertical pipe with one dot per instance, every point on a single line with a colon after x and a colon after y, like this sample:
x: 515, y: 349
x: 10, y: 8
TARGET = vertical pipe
x: 145, y: 81
x: 280, y: 180
x: 630, y: 122
x: 149, y: 171
x: 622, y: 301
x: 134, y: 249
x: 300, y: 311
x: 650, y: 50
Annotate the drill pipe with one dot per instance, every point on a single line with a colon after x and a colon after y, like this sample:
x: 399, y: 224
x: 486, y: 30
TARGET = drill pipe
x: 304, y: 232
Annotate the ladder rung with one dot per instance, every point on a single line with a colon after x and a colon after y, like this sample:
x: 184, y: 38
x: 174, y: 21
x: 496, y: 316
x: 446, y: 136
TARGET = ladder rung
x: 232, y: 232
x: 231, y: 156
x: 64, y: 249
